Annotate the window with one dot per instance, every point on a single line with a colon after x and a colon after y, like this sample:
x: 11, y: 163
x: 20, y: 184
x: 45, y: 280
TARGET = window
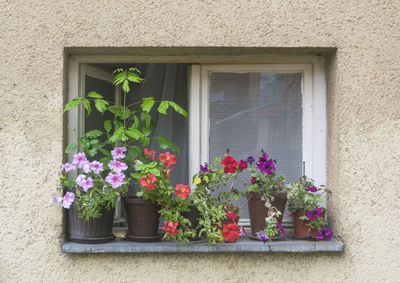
x: 276, y: 107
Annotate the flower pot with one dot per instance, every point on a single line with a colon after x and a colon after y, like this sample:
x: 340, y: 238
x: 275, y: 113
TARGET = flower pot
x: 143, y: 220
x: 193, y: 216
x: 301, y: 229
x: 94, y: 231
x: 258, y: 212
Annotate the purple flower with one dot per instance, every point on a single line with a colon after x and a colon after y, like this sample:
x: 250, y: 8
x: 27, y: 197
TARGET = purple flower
x: 263, y: 237
x: 250, y: 159
x: 280, y: 228
x: 116, y: 180
x: 86, y: 167
x: 118, y: 152
x: 96, y: 167
x: 314, y: 214
x: 68, y: 167
x: 204, y: 168
x: 54, y: 198
x: 117, y: 166
x: 312, y: 189
x: 324, y: 234
x: 266, y: 165
x: 87, y: 184
x: 68, y: 200
x: 79, y: 159
x: 80, y: 180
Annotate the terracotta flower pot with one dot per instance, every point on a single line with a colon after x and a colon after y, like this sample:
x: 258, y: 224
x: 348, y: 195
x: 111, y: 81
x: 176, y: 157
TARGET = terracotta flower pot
x: 94, y: 231
x: 258, y: 212
x: 301, y: 229
x: 143, y: 220
x: 193, y: 216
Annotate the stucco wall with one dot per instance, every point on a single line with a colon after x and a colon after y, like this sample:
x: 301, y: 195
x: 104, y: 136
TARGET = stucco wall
x: 363, y: 126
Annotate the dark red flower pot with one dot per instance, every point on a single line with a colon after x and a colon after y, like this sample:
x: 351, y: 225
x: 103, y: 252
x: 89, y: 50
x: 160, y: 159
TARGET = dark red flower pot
x: 301, y: 228
x: 93, y: 231
x: 258, y: 212
x: 143, y: 220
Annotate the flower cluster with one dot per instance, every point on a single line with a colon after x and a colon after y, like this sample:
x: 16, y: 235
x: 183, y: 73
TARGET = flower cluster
x: 272, y: 228
x: 182, y: 191
x: 266, y: 165
x: 230, y: 232
x: 171, y: 228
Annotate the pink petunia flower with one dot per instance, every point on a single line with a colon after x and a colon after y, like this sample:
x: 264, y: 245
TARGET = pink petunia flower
x: 80, y: 180
x: 117, y: 166
x: 55, y: 199
x: 242, y: 231
x: 68, y: 167
x: 96, y: 167
x: 68, y: 200
x: 79, y: 159
x: 118, y: 152
x: 116, y: 180
x: 86, y: 167
x: 87, y: 184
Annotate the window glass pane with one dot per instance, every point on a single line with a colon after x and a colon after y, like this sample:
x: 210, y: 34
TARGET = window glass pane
x: 254, y: 111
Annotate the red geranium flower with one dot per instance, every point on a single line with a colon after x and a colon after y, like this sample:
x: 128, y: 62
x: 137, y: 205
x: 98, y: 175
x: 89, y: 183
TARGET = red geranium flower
x: 230, y: 232
x: 150, y: 153
x: 170, y: 228
x: 232, y: 215
x: 182, y: 191
x: 230, y: 164
x: 148, y: 182
x: 168, y: 159
x: 167, y: 173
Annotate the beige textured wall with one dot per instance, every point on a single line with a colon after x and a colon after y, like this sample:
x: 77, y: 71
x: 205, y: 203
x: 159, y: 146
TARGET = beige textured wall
x: 363, y: 120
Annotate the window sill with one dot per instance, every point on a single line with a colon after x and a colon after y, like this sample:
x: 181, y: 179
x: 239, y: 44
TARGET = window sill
x: 243, y: 245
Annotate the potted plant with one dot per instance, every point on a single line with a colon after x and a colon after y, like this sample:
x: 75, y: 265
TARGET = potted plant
x: 91, y: 196
x: 214, y: 186
x: 308, y: 215
x: 273, y: 229
x: 130, y: 129
x: 266, y: 190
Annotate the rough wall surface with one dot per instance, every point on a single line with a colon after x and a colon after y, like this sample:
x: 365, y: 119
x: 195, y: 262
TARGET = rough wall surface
x: 363, y: 120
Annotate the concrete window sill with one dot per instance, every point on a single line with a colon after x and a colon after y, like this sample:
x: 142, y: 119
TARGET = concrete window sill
x: 243, y: 245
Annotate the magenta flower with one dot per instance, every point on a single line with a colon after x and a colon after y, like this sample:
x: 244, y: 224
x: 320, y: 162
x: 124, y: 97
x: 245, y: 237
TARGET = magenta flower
x: 280, y: 229
x: 54, y: 198
x: 250, y: 159
x: 118, y: 152
x: 204, y: 168
x: 117, y: 166
x: 242, y: 232
x: 79, y: 159
x: 80, y: 180
x: 263, y: 237
x: 312, y: 189
x: 116, y: 180
x: 242, y: 164
x: 266, y: 165
x: 87, y: 184
x: 314, y: 214
x: 96, y: 167
x: 68, y: 200
x: 86, y: 167
x: 324, y: 234
x: 68, y: 167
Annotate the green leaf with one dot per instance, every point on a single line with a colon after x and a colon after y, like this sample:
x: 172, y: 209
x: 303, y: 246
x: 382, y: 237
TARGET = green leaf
x: 70, y: 148
x: 94, y: 94
x: 107, y: 125
x: 93, y: 134
x: 101, y: 105
x: 136, y: 122
x: 178, y: 109
x: 155, y: 172
x: 125, y: 86
x: 118, y: 135
x: 72, y: 104
x: 134, y: 133
x: 87, y: 106
x: 235, y: 196
x: 146, y: 131
x: 162, y: 108
x: 145, y: 141
x: 134, y: 78
x: 133, y: 153
x: 139, y: 194
x: 119, y: 78
x: 147, y: 104
x: 146, y: 118
x: 92, y: 152
x: 120, y: 111
x: 165, y: 143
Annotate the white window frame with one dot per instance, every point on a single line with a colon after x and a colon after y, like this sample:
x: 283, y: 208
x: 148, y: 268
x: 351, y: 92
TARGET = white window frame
x: 313, y: 103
